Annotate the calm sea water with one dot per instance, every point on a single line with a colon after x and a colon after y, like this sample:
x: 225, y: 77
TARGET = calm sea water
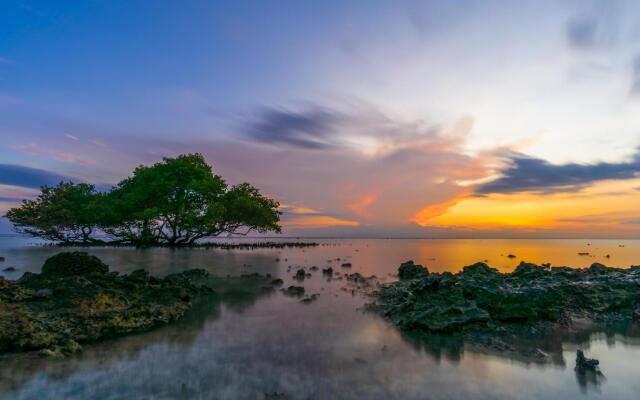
x: 329, y: 349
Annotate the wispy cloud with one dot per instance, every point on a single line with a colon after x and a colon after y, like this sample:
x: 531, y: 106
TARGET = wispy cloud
x: 319, y: 221
x: 99, y: 143
x: 299, y: 210
x: 72, y: 137
x: 37, y: 151
x: 362, y: 128
x: 15, y: 194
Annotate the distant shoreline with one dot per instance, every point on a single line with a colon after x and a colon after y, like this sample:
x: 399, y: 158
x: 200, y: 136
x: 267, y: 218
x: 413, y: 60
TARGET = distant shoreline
x: 246, y: 238
x: 207, y: 245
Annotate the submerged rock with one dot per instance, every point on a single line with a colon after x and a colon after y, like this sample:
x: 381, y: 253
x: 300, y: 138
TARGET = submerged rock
x: 294, y: 291
x: 584, y: 364
x: 361, y: 281
x: 77, y: 300
x: 345, y: 265
x: 300, y: 275
x: 310, y: 299
x: 327, y: 271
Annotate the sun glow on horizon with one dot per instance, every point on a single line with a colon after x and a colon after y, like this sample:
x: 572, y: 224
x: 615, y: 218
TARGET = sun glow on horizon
x: 605, y: 204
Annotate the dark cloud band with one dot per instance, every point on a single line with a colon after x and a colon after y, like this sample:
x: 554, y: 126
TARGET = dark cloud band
x: 18, y: 175
x: 308, y: 130
x: 536, y: 175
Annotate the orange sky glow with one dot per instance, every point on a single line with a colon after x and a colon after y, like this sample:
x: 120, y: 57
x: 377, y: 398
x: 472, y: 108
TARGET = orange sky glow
x: 609, y: 205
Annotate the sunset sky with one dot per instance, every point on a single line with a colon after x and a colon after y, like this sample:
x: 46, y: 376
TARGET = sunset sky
x: 363, y: 118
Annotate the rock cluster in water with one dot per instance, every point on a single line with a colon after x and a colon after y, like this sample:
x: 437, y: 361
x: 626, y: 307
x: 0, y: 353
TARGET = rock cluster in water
x: 481, y: 298
x: 75, y: 299
x: 295, y: 291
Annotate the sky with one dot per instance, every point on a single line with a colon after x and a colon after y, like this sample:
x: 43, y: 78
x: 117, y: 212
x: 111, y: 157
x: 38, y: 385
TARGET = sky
x: 363, y: 118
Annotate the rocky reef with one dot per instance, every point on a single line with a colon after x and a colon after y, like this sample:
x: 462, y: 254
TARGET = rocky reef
x: 77, y: 300
x: 491, y: 309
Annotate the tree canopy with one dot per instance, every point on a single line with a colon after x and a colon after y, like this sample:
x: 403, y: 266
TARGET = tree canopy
x: 175, y: 202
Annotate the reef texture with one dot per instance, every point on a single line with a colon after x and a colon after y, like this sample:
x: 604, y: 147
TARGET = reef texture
x: 76, y: 300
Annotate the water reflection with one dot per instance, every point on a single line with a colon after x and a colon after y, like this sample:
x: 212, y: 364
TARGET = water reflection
x: 590, y: 380
x: 235, y: 294
x: 244, y: 346
x: 525, y: 348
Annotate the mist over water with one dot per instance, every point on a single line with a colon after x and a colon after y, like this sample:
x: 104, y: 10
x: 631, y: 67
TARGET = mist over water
x: 245, y: 347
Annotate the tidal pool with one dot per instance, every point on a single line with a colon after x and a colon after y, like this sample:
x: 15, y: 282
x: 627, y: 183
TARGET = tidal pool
x: 274, y: 346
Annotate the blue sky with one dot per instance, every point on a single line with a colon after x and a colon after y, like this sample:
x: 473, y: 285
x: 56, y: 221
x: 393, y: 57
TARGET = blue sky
x: 358, y: 115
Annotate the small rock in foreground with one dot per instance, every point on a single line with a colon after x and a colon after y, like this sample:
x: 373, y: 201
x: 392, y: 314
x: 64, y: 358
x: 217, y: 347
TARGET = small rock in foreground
x: 294, y: 291
x: 300, y: 275
x: 310, y: 299
x: 584, y: 364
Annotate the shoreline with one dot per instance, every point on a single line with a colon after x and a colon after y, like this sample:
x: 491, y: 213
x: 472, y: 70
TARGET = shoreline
x: 223, y: 246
